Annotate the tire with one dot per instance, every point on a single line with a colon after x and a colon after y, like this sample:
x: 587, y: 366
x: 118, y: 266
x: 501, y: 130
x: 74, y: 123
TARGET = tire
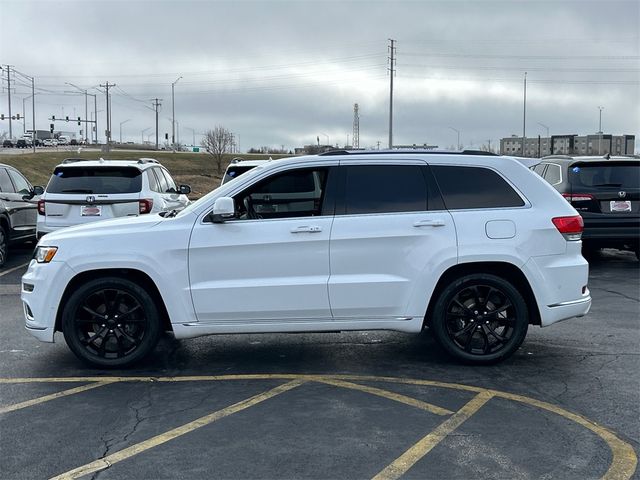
x: 4, y: 246
x: 111, y: 322
x: 480, y: 319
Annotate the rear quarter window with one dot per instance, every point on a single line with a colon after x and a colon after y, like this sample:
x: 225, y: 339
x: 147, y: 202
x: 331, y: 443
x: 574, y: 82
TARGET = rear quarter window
x: 474, y: 187
x: 95, y: 180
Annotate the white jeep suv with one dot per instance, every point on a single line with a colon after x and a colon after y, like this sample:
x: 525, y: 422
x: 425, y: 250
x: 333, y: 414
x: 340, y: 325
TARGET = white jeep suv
x: 82, y: 191
x: 475, y: 247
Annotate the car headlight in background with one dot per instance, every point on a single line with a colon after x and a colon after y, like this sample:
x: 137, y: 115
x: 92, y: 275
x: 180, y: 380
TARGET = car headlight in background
x: 45, y: 254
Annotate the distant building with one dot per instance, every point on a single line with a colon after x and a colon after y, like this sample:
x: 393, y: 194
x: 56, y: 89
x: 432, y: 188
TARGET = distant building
x: 571, y: 144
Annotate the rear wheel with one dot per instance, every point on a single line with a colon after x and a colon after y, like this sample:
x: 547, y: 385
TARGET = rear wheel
x: 4, y: 246
x: 480, y: 318
x: 111, y: 322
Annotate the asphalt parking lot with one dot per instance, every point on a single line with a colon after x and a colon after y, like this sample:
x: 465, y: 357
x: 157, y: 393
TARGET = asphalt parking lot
x: 335, y: 405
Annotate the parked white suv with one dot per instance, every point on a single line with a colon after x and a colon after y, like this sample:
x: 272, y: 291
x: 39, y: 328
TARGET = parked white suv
x: 475, y: 247
x: 238, y: 166
x: 82, y: 191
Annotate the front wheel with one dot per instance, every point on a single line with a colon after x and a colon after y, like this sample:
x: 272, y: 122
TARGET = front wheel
x: 111, y: 322
x: 480, y: 318
x: 4, y: 246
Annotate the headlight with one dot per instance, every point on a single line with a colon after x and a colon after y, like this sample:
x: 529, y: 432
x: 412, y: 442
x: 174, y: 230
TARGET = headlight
x: 45, y: 254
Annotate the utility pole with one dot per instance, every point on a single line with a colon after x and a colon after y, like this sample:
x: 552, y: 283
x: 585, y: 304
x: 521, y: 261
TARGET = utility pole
x: 173, y: 115
x: 392, y: 71
x: 156, y: 104
x: 458, y: 147
x: 356, y: 127
x: 599, y: 128
x: 9, y: 94
x: 524, y: 114
x: 108, y: 130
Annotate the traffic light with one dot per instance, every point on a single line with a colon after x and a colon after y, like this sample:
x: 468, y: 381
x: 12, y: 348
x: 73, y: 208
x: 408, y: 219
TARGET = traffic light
x: 1, y: 116
x: 67, y: 118
x: 17, y: 116
x: 51, y: 128
x: 79, y: 123
x: 166, y: 136
x: 53, y: 117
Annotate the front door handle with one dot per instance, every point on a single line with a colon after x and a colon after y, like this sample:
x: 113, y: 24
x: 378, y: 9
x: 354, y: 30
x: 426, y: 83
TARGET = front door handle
x: 307, y: 229
x: 429, y: 223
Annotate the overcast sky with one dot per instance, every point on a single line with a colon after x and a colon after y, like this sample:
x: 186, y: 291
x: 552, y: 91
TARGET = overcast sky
x: 287, y: 72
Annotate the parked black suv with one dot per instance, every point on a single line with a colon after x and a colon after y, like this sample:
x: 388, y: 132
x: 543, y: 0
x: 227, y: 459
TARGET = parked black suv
x: 18, y: 209
x: 606, y: 193
x: 7, y: 144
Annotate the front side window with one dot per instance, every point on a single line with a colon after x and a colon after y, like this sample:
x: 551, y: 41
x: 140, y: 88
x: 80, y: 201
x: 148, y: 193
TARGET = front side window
x: 384, y: 189
x: 92, y: 180
x: 21, y: 184
x: 474, y: 187
x: 296, y: 193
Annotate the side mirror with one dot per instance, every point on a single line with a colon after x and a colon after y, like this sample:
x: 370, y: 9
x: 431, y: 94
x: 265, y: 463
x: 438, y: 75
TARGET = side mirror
x: 184, y: 189
x: 223, y: 208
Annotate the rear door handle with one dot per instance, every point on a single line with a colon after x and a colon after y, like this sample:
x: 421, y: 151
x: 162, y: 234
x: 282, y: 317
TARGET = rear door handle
x: 429, y: 223
x: 307, y: 229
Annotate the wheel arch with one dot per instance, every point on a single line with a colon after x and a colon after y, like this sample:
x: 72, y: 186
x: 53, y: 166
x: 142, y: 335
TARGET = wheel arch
x: 506, y: 270
x: 131, y: 274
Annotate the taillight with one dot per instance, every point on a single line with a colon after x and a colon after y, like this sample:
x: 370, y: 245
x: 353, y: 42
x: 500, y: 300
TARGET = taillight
x: 145, y: 205
x: 577, y: 197
x: 41, y: 209
x: 570, y: 227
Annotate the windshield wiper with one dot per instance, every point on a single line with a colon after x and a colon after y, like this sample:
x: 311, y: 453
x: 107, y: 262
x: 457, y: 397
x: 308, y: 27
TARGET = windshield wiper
x: 77, y: 190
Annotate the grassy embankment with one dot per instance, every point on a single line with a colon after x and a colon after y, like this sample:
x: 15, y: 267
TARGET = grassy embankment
x: 195, y: 169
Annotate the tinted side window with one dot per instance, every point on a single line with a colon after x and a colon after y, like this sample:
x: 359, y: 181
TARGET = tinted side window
x: 296, y: 193
x: 5, y: 182
x: 153, y: 182
x: 474, y: 187
x: 539, y: 168
x: 385, y: 189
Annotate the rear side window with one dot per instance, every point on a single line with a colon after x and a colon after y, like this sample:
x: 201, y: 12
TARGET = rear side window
x: 606, y: 174
x: 153, y: 181
x: 171, y: 185
x: 474, y: 187
x: 553, y: 175
x: 233, y: 172
x: 95, y: 180
x: 385, y: 189
x: 162, y: 181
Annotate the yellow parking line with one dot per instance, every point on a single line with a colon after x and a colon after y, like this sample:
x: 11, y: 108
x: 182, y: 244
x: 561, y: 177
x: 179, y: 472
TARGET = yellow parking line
x: 390, y: 395
x: 128, y: 452
x: 409, y: 458
x: 53, y: 396
x: 624, y: 461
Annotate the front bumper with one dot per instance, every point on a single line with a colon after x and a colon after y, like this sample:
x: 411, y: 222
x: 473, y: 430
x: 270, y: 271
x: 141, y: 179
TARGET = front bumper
x: 42, y: 288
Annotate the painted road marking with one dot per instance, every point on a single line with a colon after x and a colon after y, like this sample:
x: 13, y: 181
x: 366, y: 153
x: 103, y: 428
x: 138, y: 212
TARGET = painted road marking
x: 391, y: 396
x: 53, y: 396
x: 2, y: 274
x: 116, y: 457
x: 623, y: 464
x: 408, y: 459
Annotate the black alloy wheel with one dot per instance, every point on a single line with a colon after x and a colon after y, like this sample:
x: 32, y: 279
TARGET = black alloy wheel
x: 4, y: 246
x: 480, y: 318
x: 111, y: 322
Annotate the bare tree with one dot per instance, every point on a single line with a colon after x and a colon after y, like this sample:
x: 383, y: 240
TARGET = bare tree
x: 217, y: 142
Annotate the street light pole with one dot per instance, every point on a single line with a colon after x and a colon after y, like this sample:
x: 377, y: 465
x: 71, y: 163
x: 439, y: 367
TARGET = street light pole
x: 193, y: 131
x: 600, y: 130
x: 121, y: 123
x: 173, y: 113
x: 548, y: 138
x: 458, y: 132
x: 524, y: 115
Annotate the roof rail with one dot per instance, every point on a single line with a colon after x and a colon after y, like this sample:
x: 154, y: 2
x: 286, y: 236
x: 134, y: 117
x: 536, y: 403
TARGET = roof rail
x: 148, y: 160
x: 411, y: 151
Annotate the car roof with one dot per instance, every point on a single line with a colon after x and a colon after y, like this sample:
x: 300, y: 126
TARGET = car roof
x: 140, y: 163
x: 567, y: 159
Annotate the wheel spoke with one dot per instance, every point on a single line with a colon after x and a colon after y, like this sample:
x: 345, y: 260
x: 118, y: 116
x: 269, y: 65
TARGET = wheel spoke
x: 99, y: 334
x: 489, y: 330
x: 466, y: 329
x: 486, y: 298
x: 469, y: 343
x: 134, y: 341
x: 129, y: 312
x: 92, y: 312
x: 102, y: 350
x: 476, y: 297
x: 487, y: 345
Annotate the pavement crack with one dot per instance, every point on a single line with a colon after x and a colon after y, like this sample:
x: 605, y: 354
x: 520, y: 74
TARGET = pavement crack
x: 616, y: 293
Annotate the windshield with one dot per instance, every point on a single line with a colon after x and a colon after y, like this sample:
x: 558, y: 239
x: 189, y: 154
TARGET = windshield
x: 95, y: 180
x: 613, y: 174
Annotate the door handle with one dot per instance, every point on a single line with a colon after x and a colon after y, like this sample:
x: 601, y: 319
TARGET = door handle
x: 307, y: 229
x: 429, y: 223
